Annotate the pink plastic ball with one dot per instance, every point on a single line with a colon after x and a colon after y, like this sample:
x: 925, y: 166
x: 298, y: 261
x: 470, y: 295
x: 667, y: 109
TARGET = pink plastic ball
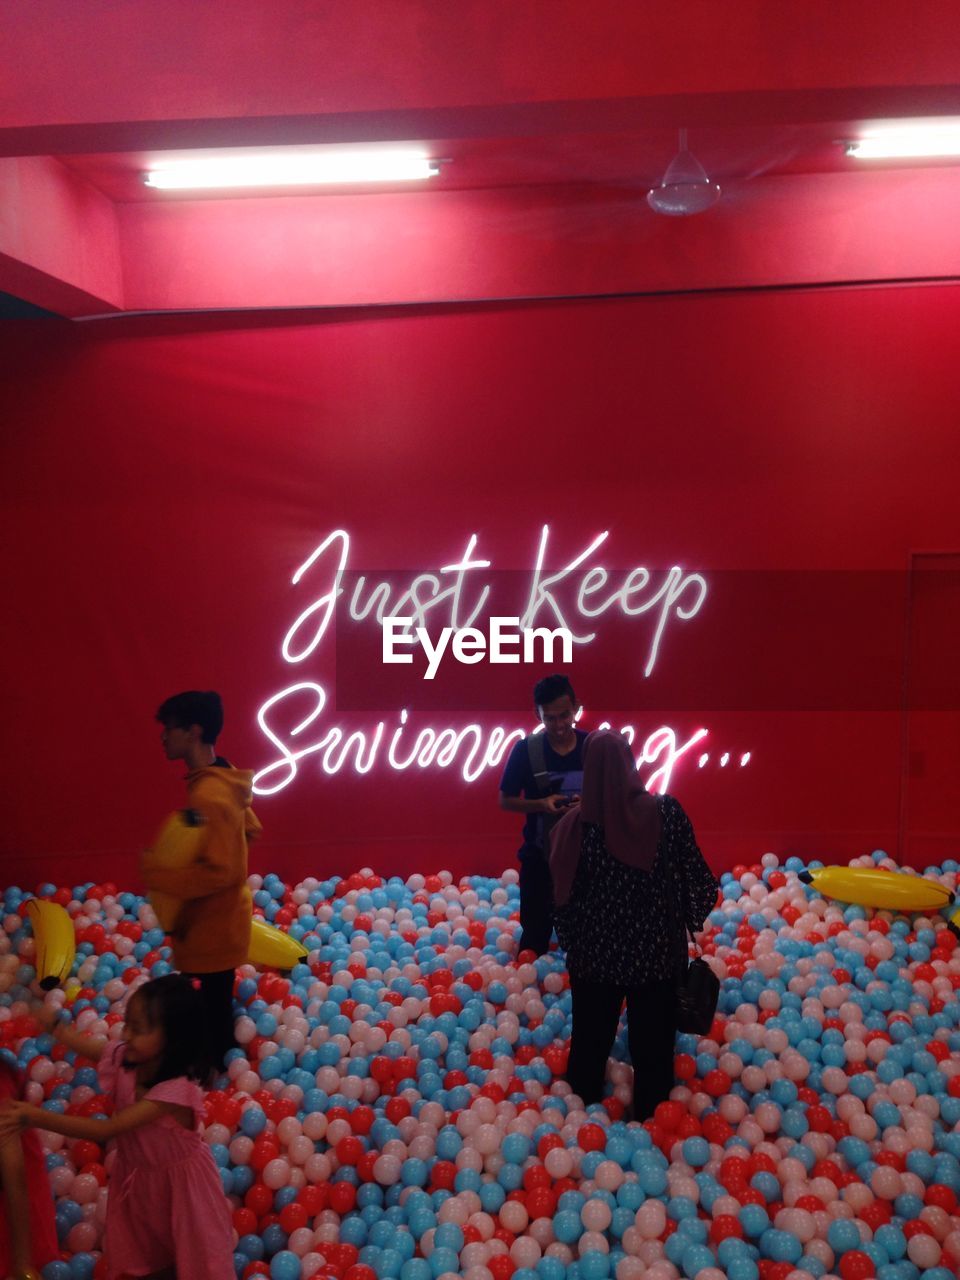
x: 85, y: 1188
x: 541, y: 1230
x: 82, y: 1237
x: 558, y: 1162
x: 477, y: 1273
x: 609, y: 1175
x: 885, y: 1182
x: 525, y: 1252
x: 300, y: 1241
x: 630, y: 1268
x: 515, y: 1218
x: 651, y: 1219
x: 61, y: 1180
x: 318, y: 1168
x: 487, y: 1138
x: 596, y: 1215
x: 476, y: 1254
x: 593, y: 1242
x: 661, y: 1270
x: 923, y: 1251
x: 276, y: 1174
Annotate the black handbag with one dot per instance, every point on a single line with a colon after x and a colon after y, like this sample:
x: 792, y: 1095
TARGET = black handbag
x: 698, y: 987
x: 698, y: 990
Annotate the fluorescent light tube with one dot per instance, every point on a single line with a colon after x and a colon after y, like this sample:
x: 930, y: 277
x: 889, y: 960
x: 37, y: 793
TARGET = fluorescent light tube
x: 309, y: 169
x: 917, y: 140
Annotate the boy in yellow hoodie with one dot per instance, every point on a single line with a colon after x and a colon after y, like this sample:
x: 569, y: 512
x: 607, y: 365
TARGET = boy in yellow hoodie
x: 211, y: 935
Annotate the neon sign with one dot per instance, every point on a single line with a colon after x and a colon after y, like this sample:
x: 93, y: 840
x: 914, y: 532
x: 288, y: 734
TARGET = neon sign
x: 451, y: 600
x: 471, y: 748
x: 679, y: 594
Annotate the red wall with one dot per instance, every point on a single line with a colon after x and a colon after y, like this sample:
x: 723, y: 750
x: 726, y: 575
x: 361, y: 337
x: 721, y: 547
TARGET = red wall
x: 163, y: 479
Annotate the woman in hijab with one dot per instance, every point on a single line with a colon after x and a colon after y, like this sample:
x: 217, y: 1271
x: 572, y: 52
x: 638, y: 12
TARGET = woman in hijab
x: 620, y: 860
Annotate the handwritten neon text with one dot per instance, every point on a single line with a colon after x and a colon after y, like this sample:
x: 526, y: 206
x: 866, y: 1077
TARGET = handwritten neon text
x: 471, y: 748
x: 442, y: 596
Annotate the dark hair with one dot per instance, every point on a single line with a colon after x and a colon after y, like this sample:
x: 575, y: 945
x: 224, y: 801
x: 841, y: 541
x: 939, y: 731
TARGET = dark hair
x: 550, y: 688
x: 176, y: 1006
x: 193, y: 707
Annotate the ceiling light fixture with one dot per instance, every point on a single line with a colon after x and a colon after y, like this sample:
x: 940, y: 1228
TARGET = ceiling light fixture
x: 685, y: 188
x: 304, y: 170
x: 906, y: 141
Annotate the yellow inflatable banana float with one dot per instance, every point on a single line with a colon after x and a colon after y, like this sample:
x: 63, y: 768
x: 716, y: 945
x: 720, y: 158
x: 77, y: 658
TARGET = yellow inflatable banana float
x: 271, y: 948
x: 55, y: 940
x: 53, y: 934
x: 870, y: 887
x: 177, y: 845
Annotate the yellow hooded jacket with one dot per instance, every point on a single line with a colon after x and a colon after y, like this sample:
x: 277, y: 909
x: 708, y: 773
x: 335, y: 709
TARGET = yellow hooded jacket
x: 212, y: 930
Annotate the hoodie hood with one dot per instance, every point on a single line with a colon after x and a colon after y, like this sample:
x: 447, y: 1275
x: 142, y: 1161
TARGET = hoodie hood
x: 233, y: 785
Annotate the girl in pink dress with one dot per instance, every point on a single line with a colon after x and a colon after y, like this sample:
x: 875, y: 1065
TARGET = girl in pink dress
x: 167, y: 1215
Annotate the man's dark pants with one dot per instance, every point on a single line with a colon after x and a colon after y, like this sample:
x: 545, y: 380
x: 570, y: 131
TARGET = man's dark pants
x: 536, y: 900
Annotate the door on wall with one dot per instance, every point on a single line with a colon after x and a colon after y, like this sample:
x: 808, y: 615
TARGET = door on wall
x: 930, y: 775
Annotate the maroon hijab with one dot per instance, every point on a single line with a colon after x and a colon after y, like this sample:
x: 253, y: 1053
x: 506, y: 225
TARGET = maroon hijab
x: 615, y: 799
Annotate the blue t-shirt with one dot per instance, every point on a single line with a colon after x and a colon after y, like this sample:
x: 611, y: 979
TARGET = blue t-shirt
x: 566, y: 778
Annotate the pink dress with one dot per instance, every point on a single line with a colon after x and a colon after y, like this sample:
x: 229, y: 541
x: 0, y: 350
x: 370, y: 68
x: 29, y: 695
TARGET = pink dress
x: 166, y: 1205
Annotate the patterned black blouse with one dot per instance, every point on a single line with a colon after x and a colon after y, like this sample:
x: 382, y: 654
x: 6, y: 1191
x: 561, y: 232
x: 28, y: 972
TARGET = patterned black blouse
x: 619, y: 924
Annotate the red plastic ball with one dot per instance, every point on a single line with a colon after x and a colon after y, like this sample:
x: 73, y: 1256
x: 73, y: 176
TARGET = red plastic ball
x: 359, y: 1271
x: 734, y: 1171
x: 593, y: 1137
x: 443, y: 1175
x: 916, y: 1228
x: 343, y: 1196
x: 855, y: 1265
x: 349, y: 1150
x: 244, y: 1221
x: 259, y: 1199
x: 716, y: 1083
x: 293, y: 1216
x: 667, y: 1115
x: 942, y: 1197
x: 535, y: 1176
x: 314, y: 1198
x: 83, y: 1152
x: 501, y: 1266
x: 725, y: 1226
x: 541, y: 1202
x: 819, y: 1119
x: 397, y: 1109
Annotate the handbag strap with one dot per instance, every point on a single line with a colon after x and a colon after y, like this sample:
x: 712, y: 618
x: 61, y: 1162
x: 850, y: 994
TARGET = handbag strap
x: 673, y: 909
x: 538, y: 763
x: 678, y: 920
x: 687, y: 930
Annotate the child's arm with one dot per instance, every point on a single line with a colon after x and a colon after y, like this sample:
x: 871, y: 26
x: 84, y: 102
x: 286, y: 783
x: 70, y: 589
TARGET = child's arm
x: 13, y: 1179
x: 91, y: 1047
x: 15, y: 1116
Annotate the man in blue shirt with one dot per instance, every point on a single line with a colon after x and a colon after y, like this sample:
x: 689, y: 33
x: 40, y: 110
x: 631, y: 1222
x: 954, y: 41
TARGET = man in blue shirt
x: 542, y: 778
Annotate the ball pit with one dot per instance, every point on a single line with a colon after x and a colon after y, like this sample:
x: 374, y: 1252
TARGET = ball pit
x: 396, y: 1110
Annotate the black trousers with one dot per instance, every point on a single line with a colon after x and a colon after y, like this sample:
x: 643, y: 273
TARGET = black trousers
x: 651, y: 1031
x: 536, y: 901
x: 216, y: 990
